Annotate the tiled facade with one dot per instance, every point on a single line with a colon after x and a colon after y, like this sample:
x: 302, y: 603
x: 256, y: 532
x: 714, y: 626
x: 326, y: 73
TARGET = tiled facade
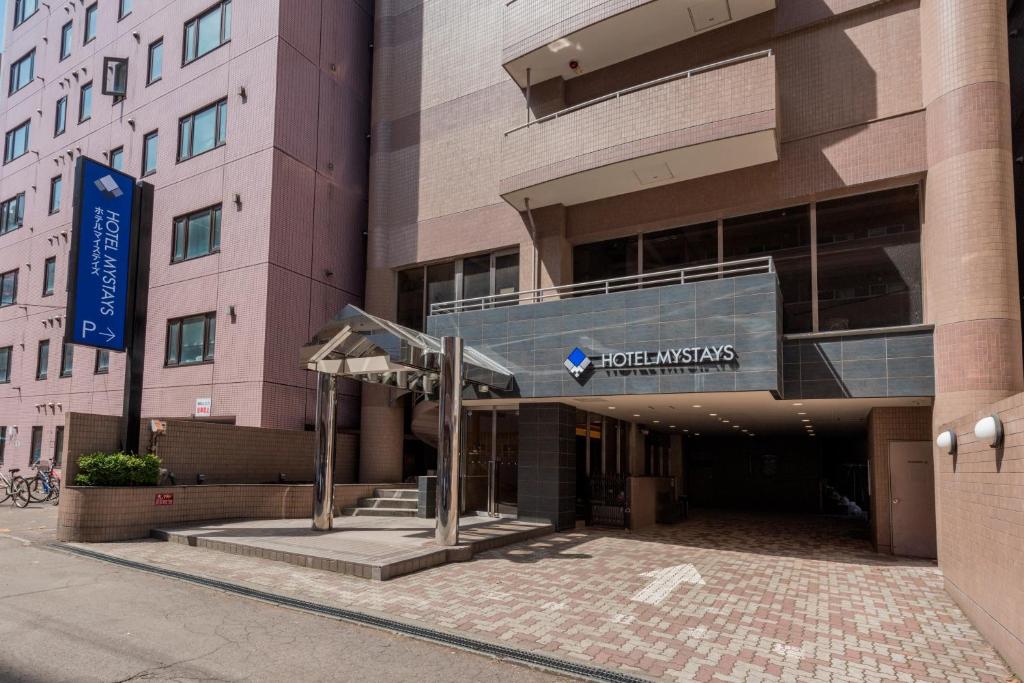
x: 291, y: 181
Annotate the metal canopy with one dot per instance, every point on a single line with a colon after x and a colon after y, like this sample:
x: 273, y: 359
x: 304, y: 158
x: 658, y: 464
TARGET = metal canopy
x: 364, y: 347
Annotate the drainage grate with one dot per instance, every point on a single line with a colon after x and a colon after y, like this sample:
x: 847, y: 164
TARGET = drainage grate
x: 534, y: 659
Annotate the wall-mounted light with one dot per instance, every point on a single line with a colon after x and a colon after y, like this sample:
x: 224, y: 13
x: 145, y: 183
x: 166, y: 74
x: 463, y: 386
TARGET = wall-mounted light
x: 989, y: 430
x: 231, y: 313
x: 238, y: 201
x: 243, y: 94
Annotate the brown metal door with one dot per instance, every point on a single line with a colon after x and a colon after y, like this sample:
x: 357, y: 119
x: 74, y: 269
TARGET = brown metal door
x: 912, y: 505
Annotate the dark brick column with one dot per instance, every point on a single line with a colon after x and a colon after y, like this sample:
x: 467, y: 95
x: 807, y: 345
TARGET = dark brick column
x: 547, y: 463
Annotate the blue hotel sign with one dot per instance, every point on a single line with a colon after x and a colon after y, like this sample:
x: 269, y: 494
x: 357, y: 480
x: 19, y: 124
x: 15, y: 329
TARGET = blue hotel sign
x: 101, y: 272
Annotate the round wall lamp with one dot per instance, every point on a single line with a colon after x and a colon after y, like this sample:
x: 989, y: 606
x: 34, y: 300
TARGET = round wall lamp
x: 947, y: 441
x: 990, y: 430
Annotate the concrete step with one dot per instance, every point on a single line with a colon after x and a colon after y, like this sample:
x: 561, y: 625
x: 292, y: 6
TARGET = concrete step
x: 378, y: 512
x: 403, y: 503
x: 401, y: 494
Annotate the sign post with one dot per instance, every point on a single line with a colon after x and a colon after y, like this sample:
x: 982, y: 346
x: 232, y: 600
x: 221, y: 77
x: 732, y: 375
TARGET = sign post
x: 108, y: 276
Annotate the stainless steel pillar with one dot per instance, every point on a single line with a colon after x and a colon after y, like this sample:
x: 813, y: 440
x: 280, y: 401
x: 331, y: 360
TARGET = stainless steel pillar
x: 449, y: 442
x: 323, y: 459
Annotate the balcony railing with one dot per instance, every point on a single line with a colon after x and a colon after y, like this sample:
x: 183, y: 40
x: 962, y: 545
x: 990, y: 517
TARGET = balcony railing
x: 711, y: 271
x: 643, y: 86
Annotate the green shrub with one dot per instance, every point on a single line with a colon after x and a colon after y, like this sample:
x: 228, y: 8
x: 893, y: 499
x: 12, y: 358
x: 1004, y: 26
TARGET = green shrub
x: 118, y: 469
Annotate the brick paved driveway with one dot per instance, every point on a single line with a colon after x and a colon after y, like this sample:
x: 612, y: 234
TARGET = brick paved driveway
x: 727, y: 597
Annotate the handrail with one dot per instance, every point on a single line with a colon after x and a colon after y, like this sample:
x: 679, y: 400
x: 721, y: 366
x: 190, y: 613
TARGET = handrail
x: 709, y: 271
x: 642, y: 86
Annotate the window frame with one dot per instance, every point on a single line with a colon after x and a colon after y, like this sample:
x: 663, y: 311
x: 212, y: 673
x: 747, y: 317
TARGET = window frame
x: 208, y: 357
x: 43, y: 373
x: 86, y: 87
x: 158, y: 43
x: 91, y: 12
x: 121, y: 14
x: 5, y: 367
x: 10, y: 136
x: 67, y: 40
x: 15, y: 66
x: 67, y: 360
x: 215, y: 231
x: 218, y: 125
x: 35, y: 451
x: 105, y: 368
x: 19, y: 13
x: 3, y: 276
x: 219, y: 6
x: 153, y: 134
x: 60, y: 116
x: 20, y: 199
x: 49, y: 282
x: 119, y: 150
x: 58, y: 446
x: 56, y: 190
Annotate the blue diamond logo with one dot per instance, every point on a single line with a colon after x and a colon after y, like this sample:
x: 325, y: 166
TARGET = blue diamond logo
x: 577, y: 363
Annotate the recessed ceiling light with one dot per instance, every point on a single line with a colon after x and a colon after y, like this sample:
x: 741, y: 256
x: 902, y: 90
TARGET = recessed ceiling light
x: 696, y: 405
x: 611, y: 407
x: 805, y: 420
x: 801, y: 413
x: 686, y: 430
x: 657, y: 422
x: 636, y: 414
x: 735, y: 426
x: 725, y: 421
x: 697, y: 434
x: 798, y: 404
x: 713, y: 414
x: 671, y: 426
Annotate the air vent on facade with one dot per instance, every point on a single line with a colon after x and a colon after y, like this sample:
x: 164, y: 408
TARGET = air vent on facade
x: 707, y: 14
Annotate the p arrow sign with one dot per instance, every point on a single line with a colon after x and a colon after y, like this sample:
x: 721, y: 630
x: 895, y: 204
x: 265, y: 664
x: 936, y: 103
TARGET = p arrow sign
x: 665, y: 581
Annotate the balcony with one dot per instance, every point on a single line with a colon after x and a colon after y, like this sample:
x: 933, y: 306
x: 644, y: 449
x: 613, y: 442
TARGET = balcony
x: 708, y: 120
x: 544, y: 36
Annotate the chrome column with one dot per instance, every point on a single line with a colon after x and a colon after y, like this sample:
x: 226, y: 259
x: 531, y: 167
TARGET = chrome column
x: 449, y: 442
x: 323, y: 458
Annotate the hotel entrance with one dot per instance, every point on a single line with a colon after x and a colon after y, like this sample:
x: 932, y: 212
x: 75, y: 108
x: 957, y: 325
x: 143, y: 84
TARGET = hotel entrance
x: 491, y: 462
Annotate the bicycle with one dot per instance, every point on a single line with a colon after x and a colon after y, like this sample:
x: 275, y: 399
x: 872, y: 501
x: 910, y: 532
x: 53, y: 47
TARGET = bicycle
x: 14, y: 487
x: 45, y: 486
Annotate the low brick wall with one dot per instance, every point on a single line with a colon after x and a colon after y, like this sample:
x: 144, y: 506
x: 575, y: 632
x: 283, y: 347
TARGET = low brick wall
x: 104, y: 514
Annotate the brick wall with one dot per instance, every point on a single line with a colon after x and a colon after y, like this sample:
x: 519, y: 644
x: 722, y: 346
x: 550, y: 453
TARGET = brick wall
x: 99, y: 515
x: 980, y: 516
x: 885, y: 425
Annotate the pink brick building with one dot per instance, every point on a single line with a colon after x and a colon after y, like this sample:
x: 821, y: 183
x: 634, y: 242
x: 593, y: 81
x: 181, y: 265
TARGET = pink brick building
x: 270, y: 186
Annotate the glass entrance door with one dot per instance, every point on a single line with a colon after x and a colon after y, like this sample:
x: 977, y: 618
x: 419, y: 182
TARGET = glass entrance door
x: 490, y: 480
x: 504, y: 491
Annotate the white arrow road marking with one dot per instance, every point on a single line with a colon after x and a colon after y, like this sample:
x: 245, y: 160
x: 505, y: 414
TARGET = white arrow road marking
x: 109, y: 334
x: 665, y: 581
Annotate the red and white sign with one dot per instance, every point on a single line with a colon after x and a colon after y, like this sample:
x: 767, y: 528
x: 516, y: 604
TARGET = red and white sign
x: 204, y: 407
x: 164, y: 499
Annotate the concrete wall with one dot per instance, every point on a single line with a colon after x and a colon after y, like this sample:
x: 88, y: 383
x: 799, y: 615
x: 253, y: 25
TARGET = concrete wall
x: 980, y: 517
x: 885, y: 425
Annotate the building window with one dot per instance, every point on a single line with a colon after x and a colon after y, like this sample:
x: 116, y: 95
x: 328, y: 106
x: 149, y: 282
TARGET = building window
x: 49, y: 276
x: 43, y: 359
x: 869, y: 260
x: 694, y: 245
x: 203, y: 130
x: 67, y: 359
x: 207, y: 32
x: 36, y: 451
x: 785, y: 235
x: 603, y: 260
x: 191, y: 340
x: 66, y: 36
x: 6, y: 354
x: 196, y: 234
x: 56, y: 184
x: 90, y: 23
x: 22, y: 72
x: 12, y: 213
x: 102, y: 362
x: 117, y: 158
x: 472, y: 277
x: 3, y: 444
x: 85, y: 103
x: 58, y: 446
x: 23, y: 9
x: 155, y: 68
x: 60, y: 117
x: 149, y: 149
x: 124, y: 8
x: 16, y: 142
x: 8, y: 288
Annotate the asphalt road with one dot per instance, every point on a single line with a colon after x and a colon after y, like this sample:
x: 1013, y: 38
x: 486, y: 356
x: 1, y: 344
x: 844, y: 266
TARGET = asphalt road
x: 68, y: 618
